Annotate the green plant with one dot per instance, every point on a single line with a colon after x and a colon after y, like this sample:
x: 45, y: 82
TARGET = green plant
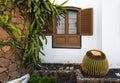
x: 37, y: 79
x: 95, y: 63
x: 29, y: 40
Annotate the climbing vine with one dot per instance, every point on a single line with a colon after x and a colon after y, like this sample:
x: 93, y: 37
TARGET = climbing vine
x: 39, y: 13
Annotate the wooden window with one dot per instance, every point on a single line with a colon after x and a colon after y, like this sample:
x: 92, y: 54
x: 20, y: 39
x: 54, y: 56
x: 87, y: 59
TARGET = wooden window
x: 66, y: 34
x: 75, y: 23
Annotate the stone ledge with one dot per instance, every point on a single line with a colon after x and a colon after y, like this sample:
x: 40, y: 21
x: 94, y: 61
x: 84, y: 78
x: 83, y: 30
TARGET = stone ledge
x: 74, y: 76
x: 81, y: 79
x: 56, y: 69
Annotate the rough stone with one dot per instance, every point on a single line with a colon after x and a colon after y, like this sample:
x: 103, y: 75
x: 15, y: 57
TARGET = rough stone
x: 15, y: 74
x: 6, y: 12
x: 9, y: 5
x: 3, y: 34
x: 6, y: 48
x: 1, y: 53
x: 12, y: 67
x: 17, y: 20
x: 2, y: 70
x: 20, y: 26
x: 14, y: 58
x: 16, y: 9
x: 8, y: 54
x: 15, y: 12
x: 4, y: 62
x: 3, y: 77
x: 14, y: 20
x: 23, y: 70
x: 18, y: 62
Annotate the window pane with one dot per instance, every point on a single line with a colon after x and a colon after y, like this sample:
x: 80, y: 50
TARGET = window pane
x: 61, y: 25
x: 72, y: 15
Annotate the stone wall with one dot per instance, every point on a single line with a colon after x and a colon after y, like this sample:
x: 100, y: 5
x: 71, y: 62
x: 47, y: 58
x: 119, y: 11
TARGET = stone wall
x: 10, y: 67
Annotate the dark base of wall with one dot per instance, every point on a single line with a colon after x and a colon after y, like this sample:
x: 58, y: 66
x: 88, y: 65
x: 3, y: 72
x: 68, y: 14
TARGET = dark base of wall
x: 71, y: 73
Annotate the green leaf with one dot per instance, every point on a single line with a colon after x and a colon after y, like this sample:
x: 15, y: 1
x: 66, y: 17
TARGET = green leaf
x: 53, y: 2
x: 29, y: 3
x: 36, y: 1
x: 2, y: 8
x: 64, y: 2
x: 47, y: 5
x: 6, y: 19
x: 13, y: 1
x: 18, y: 45
x: 31, y: 26
x: 5, y: 43
x: 41, y: 20
x: 5, y: 2
x: 20, y: 1
x: 17, y: 31
x: 42, y: 53
x: 35, y: 8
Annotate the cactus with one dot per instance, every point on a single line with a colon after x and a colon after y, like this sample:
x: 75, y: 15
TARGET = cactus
x: 95, y: 63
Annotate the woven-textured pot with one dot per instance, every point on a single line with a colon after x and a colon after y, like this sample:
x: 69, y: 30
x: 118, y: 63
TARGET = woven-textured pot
x: 95, y: 63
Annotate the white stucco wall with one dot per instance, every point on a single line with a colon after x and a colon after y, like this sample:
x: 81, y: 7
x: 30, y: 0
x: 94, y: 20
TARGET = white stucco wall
x: 58, y: 55
x: 106, y: 35
x: 111, y: 31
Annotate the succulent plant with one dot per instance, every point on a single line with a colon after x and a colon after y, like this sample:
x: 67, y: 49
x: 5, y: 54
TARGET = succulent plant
x: 95, y: 63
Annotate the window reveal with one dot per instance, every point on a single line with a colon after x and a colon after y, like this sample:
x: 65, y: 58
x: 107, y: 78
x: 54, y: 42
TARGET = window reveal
x: 76, y: 23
